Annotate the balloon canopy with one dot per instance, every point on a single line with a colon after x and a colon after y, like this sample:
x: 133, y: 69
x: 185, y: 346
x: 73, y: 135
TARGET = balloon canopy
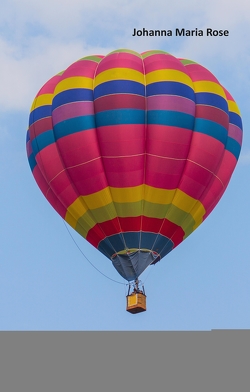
x: 134, y: 151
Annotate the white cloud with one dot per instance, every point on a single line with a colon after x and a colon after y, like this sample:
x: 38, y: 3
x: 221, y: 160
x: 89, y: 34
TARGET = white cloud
x: 41, y: 38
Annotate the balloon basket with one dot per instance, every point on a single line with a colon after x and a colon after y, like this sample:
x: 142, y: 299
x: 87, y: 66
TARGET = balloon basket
x: 136, y: 303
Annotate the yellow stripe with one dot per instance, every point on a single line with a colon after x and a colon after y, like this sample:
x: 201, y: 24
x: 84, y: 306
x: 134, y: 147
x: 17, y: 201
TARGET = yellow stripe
x: 74, y: 82
x: 98, y: 199
x: 75, y: 211
x: 209, y: 87
x: 108, y: 203
x: 233, y: 107
x: 127, y: 195
x: 41, y: 100
x: 135, y: 194
x: 119, y: 74
x: 168, y: 75
x: 158, y: 196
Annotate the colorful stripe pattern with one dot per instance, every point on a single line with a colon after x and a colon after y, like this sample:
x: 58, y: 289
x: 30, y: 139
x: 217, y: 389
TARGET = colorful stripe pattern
x: 134, y: 151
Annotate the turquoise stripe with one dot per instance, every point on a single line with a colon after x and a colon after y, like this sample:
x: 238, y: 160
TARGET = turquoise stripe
x: 73, y: 125
x: 43, y: 140
x: 120, y: 116
x: 170, y: 118
x: 32, y: 161
x: 212, y: 129
x: 234, y: 147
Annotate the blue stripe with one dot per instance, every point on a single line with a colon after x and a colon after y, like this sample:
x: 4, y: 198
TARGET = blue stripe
x: 73, y: 125
x: 170, y: 88
x: 166, y: 248
x: 235, y: 119
x: 120, y: 116
x: 41, y: 112
x: 157, y: 242
x: 211, y: 128
x: 118, y: 87
x: 111, y: 245
x: 211, y: 100
x: 41, y: 141
x: 72, y: 95
x: 171, y: 118
x: 234, y: 147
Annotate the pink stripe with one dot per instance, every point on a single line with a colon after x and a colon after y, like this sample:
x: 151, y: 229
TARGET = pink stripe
x: 120, y: 60
x: 124, y: 172
x: 163, y: 173
x: 198, y: 73
x: 227, y: 167
x: 167, y: 133
x: 48, y: 193
x: 235, y: 133
x: 228, y: 95
x: 212, y: 196
x: 49, y: 87
x: 49, y: 162
x: 41, y: 182
x: 191, y: 186
x: 206, y: 151
x: 168, y: 141
x: 121, y: 140
x: 162, y: 61
x: 216, y: 189
x: 81, y: 68
x: 71, y: 110
x: 163, y: 102
x: 86, y: 179
x: 78, y: 148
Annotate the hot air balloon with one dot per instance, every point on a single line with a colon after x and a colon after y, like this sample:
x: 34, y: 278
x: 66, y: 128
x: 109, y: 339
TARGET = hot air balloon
x: 134, y: 151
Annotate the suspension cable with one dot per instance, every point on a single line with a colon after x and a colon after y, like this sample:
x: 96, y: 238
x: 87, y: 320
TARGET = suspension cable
x: 113, y: 280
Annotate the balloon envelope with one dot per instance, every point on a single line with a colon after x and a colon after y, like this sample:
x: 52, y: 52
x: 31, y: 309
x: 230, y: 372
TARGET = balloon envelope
x: 134, y: 151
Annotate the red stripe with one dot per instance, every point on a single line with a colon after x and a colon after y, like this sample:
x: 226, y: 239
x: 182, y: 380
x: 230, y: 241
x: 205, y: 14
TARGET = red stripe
x: 133, y: 224
x: 172, y: 231
x: 40, y: 126
x: 119, y: 101
x: 95, y: 236
x: 130, y: 224
x: 213, y: 114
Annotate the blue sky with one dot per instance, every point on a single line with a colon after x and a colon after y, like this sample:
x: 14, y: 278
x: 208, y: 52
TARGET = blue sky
x: 45, y: 282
